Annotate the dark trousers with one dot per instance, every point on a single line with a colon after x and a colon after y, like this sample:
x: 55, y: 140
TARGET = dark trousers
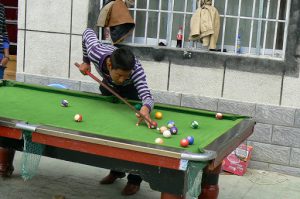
x: 128, y: 92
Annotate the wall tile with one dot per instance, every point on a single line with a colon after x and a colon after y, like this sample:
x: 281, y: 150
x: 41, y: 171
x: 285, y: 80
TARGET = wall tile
x: 270, y: 153
x: 262, y: 133
x: 157, y: 74
x: 165, y: 97
x: 252, y: 87
x: 235, y: 107
x: 49, y: 15
x: 198, y: 102
x: 20, y: 49
x: 206, y: 82
x: 295, y: 157
x: 275, y: 115
x: 21, y: 14
x: 47, y: 54
x: 36, y: 79
x: 80, y: 16
x: 286, y: 136
x: 90, y: 87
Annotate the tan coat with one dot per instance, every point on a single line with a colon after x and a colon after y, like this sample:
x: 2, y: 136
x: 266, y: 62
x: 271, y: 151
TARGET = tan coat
x: 205, y: 24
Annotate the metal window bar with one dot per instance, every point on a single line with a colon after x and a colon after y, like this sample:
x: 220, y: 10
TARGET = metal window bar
x: 259, y: 24
x: 146, y: 23
x: 170, y: 24
x: 237, y: 26
x: 266, y: 27
x: 184, y: 22
x: 134, y: 18
x: 287, y: 18
x: 276, y: 27
x: 252, y: 25
x: 224, y: 25
x: 158, y: 22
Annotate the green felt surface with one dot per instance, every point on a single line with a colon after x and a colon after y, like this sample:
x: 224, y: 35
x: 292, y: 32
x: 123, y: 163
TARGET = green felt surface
x: 41, y: 106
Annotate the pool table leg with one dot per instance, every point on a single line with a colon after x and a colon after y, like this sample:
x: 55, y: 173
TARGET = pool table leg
x: 6, y: 161
x: 210, y: 187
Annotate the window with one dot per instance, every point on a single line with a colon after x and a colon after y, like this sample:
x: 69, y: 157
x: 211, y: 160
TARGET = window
x: 261, y: 24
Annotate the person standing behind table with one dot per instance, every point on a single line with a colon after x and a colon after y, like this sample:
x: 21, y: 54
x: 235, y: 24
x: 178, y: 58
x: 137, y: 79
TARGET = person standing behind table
x: 4, y: 42
x: 124, y: 74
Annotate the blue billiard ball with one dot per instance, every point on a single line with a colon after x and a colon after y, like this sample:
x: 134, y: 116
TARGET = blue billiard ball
x: 190, y: 139
x: 170, y: 124
x: 64, y: 103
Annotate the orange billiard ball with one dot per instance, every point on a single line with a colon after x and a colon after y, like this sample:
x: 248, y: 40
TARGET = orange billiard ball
x: 158, y: 115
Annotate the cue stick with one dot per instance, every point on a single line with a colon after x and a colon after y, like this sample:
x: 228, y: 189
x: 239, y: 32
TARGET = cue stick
x: 115, y: 94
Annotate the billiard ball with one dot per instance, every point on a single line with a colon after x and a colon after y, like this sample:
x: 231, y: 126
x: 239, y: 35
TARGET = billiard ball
x: 162, y: 129
x: 190, y: 139
x: 78, y: 118
x: 153, y: 125
x: 158, y: 115
x: 170, y: 124
x: 159, y: 141
x: 184, y: 142
x: 219, y: 116
x: 174, y: 130
x: 138, y: 107
x: 64, y: 103
x: 167, y: 134
x: 194, y: 124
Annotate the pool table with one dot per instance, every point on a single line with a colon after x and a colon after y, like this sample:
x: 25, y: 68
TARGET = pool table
x: 108, y: 137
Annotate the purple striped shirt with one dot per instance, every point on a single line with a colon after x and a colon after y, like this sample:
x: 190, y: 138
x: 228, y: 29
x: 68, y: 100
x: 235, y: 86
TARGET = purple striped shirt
x: 96, y: 52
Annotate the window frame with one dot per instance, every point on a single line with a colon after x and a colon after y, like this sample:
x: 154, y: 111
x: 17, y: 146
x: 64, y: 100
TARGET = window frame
x: 286, y: 67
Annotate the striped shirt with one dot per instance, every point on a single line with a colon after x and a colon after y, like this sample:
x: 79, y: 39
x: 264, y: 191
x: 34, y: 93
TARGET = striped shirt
x: 4, y: 42
x: 96, y: 52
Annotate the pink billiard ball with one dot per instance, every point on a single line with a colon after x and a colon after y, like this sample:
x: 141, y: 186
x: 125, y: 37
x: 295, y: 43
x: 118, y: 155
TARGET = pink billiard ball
x: 184, y: 142
x: 219, y: 116
x: 78, y: 118
x: 159, y: 141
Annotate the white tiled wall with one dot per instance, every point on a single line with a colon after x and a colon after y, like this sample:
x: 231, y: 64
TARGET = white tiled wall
x: 49, y: 15
x: 252, y: 87
x: 196, y: 80
x: 47, y: 54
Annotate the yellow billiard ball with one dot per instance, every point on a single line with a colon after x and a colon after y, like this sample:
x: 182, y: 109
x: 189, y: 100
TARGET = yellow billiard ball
x: 158, y: 115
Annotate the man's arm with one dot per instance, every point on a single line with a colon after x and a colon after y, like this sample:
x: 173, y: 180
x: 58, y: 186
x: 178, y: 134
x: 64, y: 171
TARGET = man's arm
x: 139, y: 80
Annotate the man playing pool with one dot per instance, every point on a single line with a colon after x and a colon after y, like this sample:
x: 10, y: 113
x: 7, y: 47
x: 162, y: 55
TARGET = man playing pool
x: 122, y: 72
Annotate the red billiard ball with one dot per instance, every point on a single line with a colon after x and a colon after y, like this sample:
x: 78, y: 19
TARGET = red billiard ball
x: 153, y: 125
x: 219, y: 116
x: 184, y: 142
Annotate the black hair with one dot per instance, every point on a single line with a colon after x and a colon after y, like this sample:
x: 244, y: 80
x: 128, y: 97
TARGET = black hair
x: 122, y: 58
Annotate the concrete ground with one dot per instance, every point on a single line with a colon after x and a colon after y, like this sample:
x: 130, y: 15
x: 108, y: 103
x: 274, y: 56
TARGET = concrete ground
x: 77, y: 181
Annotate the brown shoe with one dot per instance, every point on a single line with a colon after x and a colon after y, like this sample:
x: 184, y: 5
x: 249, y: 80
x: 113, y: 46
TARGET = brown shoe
x: 110, y: 178
x: 130, y: 189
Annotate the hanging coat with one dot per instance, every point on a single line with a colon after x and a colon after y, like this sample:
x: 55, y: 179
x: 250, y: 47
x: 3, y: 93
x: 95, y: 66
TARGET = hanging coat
x: 205, y: 24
